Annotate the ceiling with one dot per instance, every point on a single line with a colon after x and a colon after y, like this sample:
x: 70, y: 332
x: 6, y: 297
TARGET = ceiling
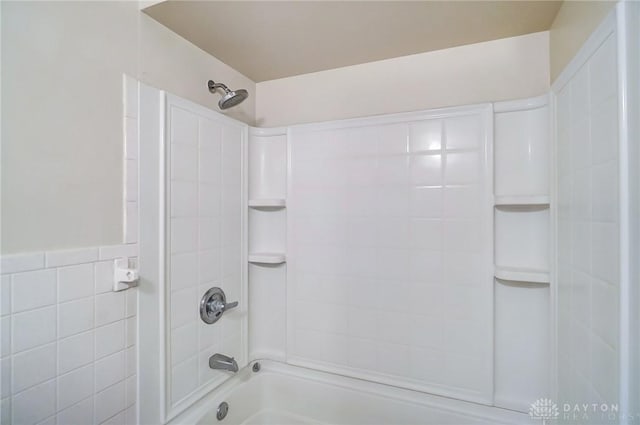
x: 266, y: 40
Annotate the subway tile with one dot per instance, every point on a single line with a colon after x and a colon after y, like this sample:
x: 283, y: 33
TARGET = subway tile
x: 184, y: 378
x: 51, y: 420
x: 426, y: 234
x: 184, y: 307
x: 75, y: 386
x: 604, y: 360
x: 462, y: 202
x: 184, y: 163
x: 603, y: 77
x: 21, y: 262
x: 33, y: 367
x: 6, y: 372
x: 109, y: 370
x: 462, y: 168
x: 392, y: 170
x: 110, y: 307
x: 75, y: 351
x: 34, y: 289
x: 209, y: 166
x: 103, y: 276
x: 604, y: 131
x: 463, y: 235
x: 604, y: 192
x: 117, y: 419
x: 462, y: 132
x: 75, y: 282
x: 183, y: 270
x: 33, y: 328
x: 209, y: 233
x: 75, y: 317
x: 5, y: 295
x: 184, y: 235
x: 426, y: 202
x: 580, y: 95
x: 426, y: 170
x: 605, y: 251
x: 109, y: 339
x: 71, y: 257
x: 603, y: 308
x: 25, y: 411
x: 184, y: 199
x: 425, y: 136
x: 5, y: 410
x: 184, y: 343
x: 184, y: 126
x: 209, y: 200
x: 80, y: 413
x: 5, y: 336
x: 110, y: 402
x: 210, y: 136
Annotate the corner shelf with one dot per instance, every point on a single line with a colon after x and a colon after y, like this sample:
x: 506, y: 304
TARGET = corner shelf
x: 267, y: 258
x: 535, y: 200
x: 520, y: 274
x: 267, y: 203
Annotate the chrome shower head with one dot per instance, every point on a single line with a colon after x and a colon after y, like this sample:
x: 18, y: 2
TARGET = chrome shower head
x: 231, y: 98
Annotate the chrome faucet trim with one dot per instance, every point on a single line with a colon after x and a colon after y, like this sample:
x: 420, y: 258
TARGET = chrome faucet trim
x: 221, y: 362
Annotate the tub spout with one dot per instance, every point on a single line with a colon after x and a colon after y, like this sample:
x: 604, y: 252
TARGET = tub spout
x: 222, y: 362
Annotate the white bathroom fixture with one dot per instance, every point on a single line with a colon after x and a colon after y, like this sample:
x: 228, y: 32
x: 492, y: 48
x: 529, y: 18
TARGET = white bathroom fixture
x: 124, y: 276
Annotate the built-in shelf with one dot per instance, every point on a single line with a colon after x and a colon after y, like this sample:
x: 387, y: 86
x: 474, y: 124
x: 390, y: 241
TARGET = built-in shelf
x: 267, y: 258
x: 267, y: 203
x: 518, y: 274
x: 541, y: 200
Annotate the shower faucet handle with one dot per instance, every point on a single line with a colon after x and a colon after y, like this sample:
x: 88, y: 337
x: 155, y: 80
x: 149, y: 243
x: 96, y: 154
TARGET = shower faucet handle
x: 213, y: 304
x: 229, y: 306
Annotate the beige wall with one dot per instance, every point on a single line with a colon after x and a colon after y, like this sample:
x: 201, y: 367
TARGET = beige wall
x: 62, y: 144
x: 503, y: 69
x: 574, y: 23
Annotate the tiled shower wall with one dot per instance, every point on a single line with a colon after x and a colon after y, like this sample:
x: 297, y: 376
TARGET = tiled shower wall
x: 205, y: 250
x: 68, y: 342
x: 588, y: 230
x: 389, y: 252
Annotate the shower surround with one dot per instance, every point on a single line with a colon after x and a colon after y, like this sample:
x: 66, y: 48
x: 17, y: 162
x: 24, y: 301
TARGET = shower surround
x: 370, y: 252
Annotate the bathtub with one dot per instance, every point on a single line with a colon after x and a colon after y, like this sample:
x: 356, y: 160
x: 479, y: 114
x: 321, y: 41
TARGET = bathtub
x: 280, y: 394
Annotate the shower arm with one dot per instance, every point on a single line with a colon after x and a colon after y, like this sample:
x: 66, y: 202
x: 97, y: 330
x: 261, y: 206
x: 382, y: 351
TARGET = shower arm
x: 213, y: 86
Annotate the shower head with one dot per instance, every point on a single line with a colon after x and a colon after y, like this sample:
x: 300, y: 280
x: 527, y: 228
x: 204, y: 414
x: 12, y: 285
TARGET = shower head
x: 230, y: 98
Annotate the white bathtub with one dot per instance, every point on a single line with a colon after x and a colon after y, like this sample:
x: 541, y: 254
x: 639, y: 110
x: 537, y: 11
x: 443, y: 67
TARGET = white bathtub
x: 283, y: 394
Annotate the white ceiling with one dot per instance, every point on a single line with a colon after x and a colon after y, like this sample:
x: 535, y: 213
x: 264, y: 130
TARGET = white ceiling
x: 266, y: 40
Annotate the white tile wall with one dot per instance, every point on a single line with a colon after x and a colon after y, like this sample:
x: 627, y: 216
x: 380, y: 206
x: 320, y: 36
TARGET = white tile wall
x: 204, y: 205
x: 377, y: 214
x: 588, y: 231
x: 68, y: 343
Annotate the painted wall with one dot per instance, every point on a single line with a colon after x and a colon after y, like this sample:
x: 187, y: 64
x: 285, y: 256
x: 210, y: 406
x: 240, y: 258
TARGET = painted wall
x: 574, y: 23
x: 62, y: 142
x: 503, y: 69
